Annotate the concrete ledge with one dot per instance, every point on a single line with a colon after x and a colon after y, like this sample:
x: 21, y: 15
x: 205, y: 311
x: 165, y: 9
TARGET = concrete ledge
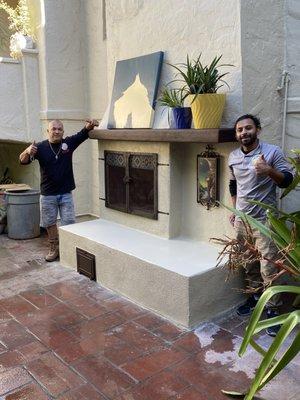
x: 175, y: 278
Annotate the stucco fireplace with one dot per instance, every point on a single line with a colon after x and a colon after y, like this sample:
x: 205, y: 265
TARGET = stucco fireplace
x: 139, y: 242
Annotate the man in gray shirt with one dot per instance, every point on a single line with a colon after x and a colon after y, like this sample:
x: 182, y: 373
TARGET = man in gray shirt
x: 256, y: 170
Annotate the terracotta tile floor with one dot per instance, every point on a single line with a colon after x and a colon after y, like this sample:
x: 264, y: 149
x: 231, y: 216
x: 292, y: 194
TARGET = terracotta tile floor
x: 65, y: 337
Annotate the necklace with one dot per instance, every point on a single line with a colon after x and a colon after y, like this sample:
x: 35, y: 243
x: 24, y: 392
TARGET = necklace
x: 55, y: 154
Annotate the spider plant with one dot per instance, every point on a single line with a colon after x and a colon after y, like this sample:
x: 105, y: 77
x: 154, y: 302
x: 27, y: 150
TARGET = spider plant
x: 287, y: 238
x: 172, y: 97
x: 198, y: 78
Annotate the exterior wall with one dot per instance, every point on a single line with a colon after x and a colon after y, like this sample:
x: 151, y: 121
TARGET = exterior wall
x: 270, y: 44
x: 292, y: 138
x: 96, y: 85
x: 262, y: 47
x: 19, y: 98
x: 213, y: 32
x: 12, y: 116
x: 196, y: 221
x: 73, y: 82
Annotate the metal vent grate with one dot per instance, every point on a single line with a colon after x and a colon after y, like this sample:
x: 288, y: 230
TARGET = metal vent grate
x: 86, y: 263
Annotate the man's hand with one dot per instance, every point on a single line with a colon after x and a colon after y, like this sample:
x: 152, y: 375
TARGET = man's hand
x: 26, y: 156
x: 32, y: 149
x: 91, y: 123
x: 262, y: 168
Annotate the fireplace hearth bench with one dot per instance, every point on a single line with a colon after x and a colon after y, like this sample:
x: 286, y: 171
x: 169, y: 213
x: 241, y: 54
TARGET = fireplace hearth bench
x: 175, y: 278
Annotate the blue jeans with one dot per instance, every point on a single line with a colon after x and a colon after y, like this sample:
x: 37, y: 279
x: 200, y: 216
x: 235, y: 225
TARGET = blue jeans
x: 52, y: 205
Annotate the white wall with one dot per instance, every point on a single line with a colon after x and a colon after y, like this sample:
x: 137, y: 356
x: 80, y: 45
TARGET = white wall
x: 96, y: 85
x: 73, y: 82
x: 262, y: 44
x: 178, y: 27
x: 292, y: 66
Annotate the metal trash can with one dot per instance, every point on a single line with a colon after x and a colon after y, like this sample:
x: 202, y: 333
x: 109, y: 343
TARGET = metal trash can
x: 23, y: 214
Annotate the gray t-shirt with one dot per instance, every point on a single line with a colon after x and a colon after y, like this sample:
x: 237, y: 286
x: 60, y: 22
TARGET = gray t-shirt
x: 250, y: 186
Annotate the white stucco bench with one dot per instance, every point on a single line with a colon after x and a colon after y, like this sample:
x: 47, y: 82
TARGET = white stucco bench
x: 176, y: 278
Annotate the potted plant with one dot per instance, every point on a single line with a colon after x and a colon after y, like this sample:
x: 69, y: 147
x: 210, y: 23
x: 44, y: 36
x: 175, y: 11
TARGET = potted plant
x: 174, y: 99
x: 20, y: 24
x: 201, y: 83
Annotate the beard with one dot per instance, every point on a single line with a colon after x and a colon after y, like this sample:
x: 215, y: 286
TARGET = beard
x: 248, y: 140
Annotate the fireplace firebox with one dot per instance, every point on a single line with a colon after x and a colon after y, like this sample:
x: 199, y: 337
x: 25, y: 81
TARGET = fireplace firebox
x: 131, y: 182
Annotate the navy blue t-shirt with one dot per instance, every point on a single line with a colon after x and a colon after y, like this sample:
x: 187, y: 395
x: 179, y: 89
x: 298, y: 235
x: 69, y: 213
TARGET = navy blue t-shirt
x: 56, y: 164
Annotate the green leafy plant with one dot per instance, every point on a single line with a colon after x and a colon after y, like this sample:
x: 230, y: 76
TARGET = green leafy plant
x: 18, y: 17
x: 172, y: 97
x: 287, y: 238
x: 198, y: 78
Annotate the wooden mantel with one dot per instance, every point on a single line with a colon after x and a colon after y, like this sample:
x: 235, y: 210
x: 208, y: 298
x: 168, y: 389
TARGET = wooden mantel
x: 166, y: 135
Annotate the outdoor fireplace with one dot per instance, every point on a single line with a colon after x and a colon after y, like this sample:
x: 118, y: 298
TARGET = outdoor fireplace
x: 131, y: 182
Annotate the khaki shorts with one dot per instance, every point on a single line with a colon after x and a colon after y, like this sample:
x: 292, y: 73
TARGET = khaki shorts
x: 259, y: 272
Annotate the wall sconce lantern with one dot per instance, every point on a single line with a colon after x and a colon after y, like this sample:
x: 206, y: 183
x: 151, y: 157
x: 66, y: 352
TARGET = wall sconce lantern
x: 208, y: 178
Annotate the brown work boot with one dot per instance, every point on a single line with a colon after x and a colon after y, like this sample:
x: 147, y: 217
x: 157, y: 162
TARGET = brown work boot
x: 53, y: 253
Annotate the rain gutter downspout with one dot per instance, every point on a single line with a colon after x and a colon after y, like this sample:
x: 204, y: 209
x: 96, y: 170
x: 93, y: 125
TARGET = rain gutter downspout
x: 284, y: 85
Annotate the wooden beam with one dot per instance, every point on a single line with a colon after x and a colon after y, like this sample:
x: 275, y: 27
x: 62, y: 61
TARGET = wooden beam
x: 166, y: 135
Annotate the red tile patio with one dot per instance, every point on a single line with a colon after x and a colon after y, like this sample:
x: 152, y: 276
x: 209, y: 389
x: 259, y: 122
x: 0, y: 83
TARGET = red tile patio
x: 65, y: 337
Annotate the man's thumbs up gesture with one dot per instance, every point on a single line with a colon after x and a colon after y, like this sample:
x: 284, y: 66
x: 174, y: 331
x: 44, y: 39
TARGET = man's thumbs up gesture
x: 262, y: 168
x: 32, y: 149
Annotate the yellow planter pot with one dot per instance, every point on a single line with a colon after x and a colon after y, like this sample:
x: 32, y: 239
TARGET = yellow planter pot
x: 207, y: 109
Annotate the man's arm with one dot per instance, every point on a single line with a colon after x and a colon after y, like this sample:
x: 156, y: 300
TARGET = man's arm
x: 281, y: 178
x: 233, y: 193
x: 30, y: 151
x: 83, y: 135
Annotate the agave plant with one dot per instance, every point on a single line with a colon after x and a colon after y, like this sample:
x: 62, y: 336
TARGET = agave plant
x: 198, y: 78
x: 287, y: 238
x: 172, y: 97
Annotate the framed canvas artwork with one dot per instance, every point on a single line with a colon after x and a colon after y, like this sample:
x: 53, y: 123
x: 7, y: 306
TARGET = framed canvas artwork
x: 134, y: 92
x: 208, y: 178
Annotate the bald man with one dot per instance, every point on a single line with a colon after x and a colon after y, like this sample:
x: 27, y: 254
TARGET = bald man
x: 57, y: 179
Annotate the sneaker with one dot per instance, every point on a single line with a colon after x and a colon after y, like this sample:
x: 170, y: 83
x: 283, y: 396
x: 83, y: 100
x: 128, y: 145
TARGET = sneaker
x: 246, y: 308
x: 272, y: 330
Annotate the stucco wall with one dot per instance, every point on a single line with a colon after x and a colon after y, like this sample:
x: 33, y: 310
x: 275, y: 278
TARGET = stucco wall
x: 12, y: 116
x: 196, y: 221
x: 72, y: 66
x: 178, y: 28
x: 20, y: 98
x: 270, y: 46
x: 292, y: 139
x: 96, y: 84
x: 262, y: 47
